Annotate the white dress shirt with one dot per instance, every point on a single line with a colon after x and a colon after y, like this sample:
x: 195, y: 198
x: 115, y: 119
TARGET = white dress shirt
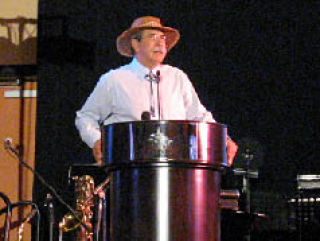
x: 125, y: 93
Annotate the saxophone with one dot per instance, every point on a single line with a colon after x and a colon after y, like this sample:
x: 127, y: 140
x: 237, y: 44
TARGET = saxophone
x: 84, y: 190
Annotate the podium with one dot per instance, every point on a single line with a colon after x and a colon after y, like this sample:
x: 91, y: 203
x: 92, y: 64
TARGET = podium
x: 164, y: 179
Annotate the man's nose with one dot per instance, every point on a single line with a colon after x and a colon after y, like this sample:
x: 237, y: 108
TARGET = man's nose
x: 161, y: 43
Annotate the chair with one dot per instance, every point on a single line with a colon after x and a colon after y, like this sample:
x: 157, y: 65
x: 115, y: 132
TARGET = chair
x: 7, y: 211
x: 35, y: 211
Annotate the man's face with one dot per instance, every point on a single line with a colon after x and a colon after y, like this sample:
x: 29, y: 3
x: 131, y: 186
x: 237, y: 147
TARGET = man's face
x: 151, y: 49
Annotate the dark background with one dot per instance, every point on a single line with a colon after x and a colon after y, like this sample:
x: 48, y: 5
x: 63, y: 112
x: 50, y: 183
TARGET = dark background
x: 253, y: 64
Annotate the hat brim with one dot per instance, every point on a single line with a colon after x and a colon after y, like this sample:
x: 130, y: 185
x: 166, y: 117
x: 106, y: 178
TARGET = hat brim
x: 124, y: 40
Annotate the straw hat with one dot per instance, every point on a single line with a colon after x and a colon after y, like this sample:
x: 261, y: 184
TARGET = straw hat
x: 146, y: 22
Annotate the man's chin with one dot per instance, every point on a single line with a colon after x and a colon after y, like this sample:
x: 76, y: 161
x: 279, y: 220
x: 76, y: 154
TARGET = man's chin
x: 160, y: 57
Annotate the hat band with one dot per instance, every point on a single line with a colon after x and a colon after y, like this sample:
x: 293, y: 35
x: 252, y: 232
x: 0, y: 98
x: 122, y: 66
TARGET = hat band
x: 151, y: 24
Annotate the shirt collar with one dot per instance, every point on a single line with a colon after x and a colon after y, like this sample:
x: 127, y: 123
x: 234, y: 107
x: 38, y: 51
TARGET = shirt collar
x: 141, y: 70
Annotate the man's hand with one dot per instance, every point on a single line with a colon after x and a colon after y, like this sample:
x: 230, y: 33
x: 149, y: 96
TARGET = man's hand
x: 97, y: 152
x: 232, y: 149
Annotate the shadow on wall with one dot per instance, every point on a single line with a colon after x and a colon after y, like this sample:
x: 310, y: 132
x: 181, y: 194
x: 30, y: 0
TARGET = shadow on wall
x: 20, y: 46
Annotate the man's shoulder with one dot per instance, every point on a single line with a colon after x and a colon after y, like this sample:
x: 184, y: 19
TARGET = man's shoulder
x: 118, y: 69
x: 174, y: 70
x: 170, y: 67
x: 112, y: 73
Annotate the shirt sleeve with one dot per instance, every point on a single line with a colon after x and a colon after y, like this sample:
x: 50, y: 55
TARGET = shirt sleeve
x: 194, y: 108
x: 97, y: 107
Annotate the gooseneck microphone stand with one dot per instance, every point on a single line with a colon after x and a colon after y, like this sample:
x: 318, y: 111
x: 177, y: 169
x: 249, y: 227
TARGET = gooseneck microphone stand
x: 158, y: 92
x: 154, y: 78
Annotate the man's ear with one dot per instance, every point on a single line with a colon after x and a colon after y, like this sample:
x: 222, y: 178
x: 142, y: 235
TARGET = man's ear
x: 135, y: 45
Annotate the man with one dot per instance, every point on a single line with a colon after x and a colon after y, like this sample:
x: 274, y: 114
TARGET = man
x: 143, y: 86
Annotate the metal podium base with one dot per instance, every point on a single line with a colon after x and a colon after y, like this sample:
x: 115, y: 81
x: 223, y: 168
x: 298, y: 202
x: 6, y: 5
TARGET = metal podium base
x: 164, y: 202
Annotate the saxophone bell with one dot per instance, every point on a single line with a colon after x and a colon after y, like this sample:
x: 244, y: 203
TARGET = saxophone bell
x: 70, y: 222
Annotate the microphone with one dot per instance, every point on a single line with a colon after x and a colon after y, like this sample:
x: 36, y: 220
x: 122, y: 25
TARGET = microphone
x: 145, y: 116
x: 158, y: 76
x: 7, y: 142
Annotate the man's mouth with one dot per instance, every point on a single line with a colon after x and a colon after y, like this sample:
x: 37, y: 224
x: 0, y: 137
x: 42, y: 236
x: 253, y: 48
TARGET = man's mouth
x: 159, y: 51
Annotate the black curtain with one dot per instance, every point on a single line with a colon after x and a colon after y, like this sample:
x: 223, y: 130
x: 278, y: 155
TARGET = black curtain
x: 253, y: 64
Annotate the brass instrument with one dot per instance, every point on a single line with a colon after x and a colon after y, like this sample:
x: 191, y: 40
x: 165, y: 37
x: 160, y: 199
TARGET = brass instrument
x: 84, y: 190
